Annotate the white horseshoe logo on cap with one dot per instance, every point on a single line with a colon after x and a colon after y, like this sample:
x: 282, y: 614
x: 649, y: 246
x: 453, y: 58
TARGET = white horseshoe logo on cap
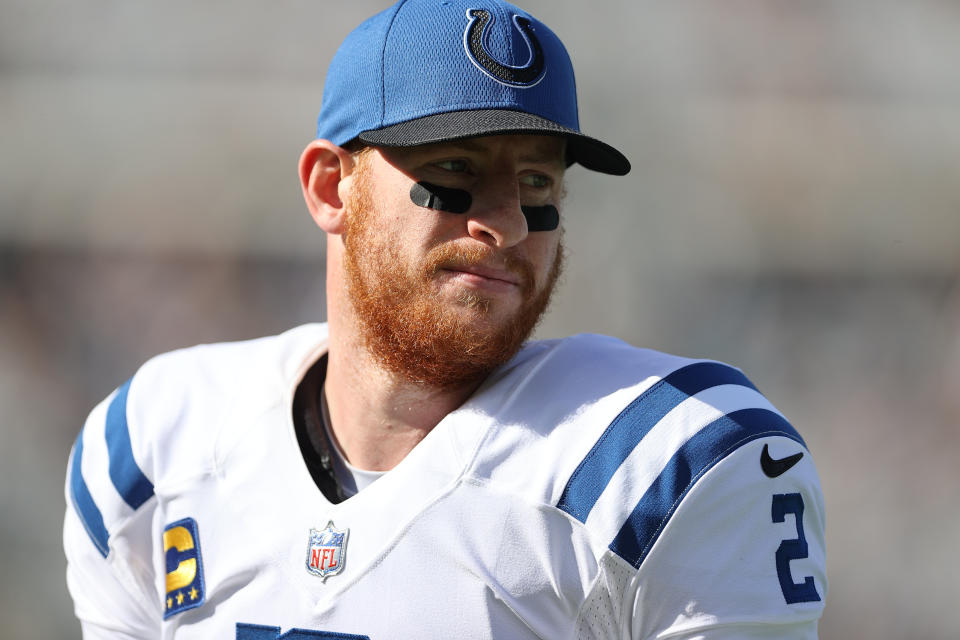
x: 475, y: 36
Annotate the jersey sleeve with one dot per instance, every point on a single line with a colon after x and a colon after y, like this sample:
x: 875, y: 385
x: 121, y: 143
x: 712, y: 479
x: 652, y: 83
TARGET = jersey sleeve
x: 108, y: 524
x: 710, y: 512
x: 743, y: 555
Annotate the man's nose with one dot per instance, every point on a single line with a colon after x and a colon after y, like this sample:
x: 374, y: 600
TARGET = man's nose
x: 496, y: 218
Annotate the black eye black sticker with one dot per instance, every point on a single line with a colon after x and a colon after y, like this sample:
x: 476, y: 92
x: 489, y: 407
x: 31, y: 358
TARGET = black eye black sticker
x: 440, y: 198
x: 545, y: 218
x: 432, y: 196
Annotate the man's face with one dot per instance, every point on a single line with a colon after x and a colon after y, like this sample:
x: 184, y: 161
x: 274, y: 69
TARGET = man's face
x: 444, y: 298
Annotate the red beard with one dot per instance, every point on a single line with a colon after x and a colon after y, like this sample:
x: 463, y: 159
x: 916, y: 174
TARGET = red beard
x: 403, y: 322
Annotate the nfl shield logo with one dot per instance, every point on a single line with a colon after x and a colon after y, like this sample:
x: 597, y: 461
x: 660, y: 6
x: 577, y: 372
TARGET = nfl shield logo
x: 326, y: 551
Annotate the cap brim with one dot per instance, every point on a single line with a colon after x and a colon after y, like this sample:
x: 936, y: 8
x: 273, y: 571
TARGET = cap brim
x: 442, y: 127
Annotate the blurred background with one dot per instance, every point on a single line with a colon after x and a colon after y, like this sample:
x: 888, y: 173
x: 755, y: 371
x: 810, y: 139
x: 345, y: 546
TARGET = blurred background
x: 794, y: 209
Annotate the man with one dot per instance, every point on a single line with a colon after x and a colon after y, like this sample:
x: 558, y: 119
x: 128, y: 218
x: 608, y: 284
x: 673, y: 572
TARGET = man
x: 413, y: 469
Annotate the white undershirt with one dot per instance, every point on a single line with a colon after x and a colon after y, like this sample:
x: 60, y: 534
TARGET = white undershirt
x: 352, y: 479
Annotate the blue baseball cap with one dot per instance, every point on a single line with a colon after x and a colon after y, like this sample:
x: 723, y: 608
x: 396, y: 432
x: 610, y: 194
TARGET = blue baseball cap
x: 428, y: 71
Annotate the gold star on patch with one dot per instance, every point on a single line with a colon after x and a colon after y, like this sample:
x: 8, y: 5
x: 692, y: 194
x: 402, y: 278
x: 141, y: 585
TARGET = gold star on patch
x: 179, y: 597
x: 194, y: 593
x: 169, y: 602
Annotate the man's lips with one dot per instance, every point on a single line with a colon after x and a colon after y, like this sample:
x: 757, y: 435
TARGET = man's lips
x: 484, y: 276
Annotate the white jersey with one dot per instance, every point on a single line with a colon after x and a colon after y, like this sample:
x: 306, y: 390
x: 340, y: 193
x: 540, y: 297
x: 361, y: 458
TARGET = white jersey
x: 588, y: 489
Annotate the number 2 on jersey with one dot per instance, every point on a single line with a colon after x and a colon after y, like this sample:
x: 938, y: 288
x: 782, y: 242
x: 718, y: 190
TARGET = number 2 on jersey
x: 792, y: 549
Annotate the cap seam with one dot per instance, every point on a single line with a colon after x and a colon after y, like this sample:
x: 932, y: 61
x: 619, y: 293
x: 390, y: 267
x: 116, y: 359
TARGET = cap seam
x: 508, y: 24
x: 383, y: 57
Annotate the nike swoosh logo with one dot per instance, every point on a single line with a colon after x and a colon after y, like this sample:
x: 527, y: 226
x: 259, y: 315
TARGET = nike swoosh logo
x: 774, y: 468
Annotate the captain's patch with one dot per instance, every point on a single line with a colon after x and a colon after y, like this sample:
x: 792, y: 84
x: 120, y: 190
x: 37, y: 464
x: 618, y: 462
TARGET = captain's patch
x: 181, y: 547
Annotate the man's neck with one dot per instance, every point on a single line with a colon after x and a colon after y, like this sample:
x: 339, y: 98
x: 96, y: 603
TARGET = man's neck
x: 377, y: 416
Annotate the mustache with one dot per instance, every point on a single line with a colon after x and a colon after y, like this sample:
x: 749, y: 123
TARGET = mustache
x: 449, y: 256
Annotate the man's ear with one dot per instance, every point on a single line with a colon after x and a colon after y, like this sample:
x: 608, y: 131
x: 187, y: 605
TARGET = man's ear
x: 323, y: 166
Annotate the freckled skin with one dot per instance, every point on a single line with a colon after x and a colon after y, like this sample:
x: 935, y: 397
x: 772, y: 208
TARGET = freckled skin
x: 472, y: 285
x: 497, y: 172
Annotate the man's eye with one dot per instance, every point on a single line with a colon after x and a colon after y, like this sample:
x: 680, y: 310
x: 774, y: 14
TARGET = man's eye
x: 457, y: 166
x: 537, y: 180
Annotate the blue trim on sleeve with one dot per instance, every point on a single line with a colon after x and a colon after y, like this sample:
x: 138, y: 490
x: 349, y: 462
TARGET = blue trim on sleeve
x: 712, y: 444
x: 83, y: 503
x: 132, y: 485
x: 629, y: 428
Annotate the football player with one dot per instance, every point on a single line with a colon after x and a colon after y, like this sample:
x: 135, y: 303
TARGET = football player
x: 414, y: 467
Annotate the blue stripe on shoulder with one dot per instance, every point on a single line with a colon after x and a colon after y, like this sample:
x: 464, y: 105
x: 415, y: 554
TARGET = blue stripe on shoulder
x: 712, y: 444
x: 628, y: 429
x: 127, y: 477
x: 83, y: 502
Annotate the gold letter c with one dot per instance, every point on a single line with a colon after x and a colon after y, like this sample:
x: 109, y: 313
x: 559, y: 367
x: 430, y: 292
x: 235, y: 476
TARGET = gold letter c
x: 186, y: 571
